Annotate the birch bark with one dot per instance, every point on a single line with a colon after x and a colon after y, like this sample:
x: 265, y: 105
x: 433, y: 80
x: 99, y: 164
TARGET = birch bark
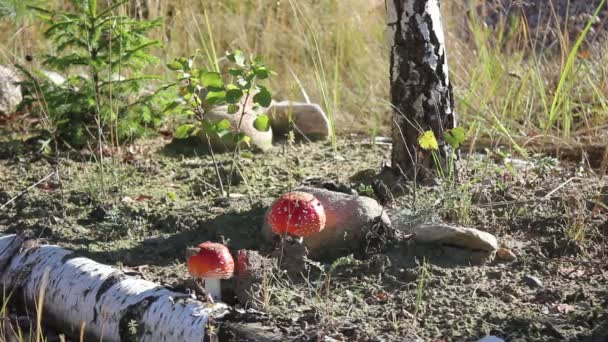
x: 420, y: 87
x: 111, y: 305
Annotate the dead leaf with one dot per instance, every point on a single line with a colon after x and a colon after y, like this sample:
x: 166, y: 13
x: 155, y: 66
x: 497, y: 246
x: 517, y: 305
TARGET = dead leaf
x: 379, y: 297
x: 142, y: 198
x: 48, y: 186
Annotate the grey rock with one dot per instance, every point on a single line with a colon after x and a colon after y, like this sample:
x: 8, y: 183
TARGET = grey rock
x: 348, y: 217
x: 10, y: 92
x: 309, y: 119
x: 532, y: 281
x: 440, y: 233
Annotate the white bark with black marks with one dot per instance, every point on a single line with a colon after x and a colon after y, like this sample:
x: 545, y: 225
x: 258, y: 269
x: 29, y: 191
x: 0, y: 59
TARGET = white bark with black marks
x: 112, y: 305
x: 420, y: 87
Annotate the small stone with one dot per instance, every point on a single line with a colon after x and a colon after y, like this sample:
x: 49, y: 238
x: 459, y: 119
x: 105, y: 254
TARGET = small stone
x: 532, y: 281
x: 470, y: 238
x: 505, y: 254
x: 308, y: 119
x: 10, y: 92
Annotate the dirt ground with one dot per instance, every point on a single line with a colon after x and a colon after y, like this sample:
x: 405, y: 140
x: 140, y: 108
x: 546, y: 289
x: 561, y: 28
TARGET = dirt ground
x: 142, y: 210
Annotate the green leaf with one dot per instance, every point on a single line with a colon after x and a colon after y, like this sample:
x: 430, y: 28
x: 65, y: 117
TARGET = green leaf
x: 233, y: 108
x: 183, y: 131
x: 223, y: 125
x: 263, y: 98
x: 455, y: 137
x: 227, y: 136
x: 428, y: 141
x: 262, y: 72
x: 171, y: 106
x: 215, y: 97
x: 185, y: 63
x: 175, y: 65
x: 208, y: 126
x: 235, y: 72
x: 223, y: 133
x: 233, y: 94
x: 247, y: 154
x: 242, y: 138
x: 262, y: 123
x: 172, y: 196
x: 212, y: 81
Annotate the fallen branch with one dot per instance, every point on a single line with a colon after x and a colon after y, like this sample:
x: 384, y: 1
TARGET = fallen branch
x: 79, y: 293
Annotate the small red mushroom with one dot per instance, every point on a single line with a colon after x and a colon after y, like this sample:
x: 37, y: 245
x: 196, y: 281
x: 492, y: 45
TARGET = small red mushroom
x: 297, y: 213
x: 211, y: 262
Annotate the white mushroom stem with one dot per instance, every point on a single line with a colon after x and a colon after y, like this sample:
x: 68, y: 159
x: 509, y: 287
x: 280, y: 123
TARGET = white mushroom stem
x: 79, y: 293
x: 214, y: 288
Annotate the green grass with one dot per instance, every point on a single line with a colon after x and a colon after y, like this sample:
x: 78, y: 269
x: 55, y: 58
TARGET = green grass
x: 508, y: 90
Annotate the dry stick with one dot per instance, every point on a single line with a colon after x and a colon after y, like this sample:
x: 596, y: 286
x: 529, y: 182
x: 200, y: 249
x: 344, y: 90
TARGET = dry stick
x: 237, y: 144
x: 28, y: 189
x: 547, y: 196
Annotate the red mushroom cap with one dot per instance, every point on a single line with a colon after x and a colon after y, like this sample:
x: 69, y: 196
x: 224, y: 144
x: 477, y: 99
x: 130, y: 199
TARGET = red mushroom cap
x: 297, y: 213
x: 211, y: 260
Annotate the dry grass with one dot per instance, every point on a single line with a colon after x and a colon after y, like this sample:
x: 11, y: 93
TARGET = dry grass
x: 337, y: 50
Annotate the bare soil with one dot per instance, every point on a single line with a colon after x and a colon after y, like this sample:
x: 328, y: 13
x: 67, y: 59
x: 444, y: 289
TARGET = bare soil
x: 143, y: 209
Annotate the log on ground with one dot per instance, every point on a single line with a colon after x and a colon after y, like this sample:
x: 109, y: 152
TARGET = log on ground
x: 79, y: 292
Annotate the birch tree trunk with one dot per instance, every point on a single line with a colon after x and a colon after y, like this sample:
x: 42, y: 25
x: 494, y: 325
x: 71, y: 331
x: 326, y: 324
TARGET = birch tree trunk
x: 110, y: 305
x: 420, y: 88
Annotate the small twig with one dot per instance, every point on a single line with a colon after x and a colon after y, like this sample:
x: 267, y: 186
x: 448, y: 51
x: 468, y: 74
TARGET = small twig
x: 547, y: 196
x: 28, y: 189
x: 215, y: 165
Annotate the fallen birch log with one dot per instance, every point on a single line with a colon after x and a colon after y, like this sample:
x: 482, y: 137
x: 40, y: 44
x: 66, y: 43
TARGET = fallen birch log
x: 109, y: 305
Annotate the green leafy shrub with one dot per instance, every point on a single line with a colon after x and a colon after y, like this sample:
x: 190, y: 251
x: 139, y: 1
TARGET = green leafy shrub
x: 204, y: 90
x: 107, y: 101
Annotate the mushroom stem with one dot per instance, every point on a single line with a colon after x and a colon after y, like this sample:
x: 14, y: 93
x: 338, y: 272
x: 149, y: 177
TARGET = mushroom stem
x: 214, y: 288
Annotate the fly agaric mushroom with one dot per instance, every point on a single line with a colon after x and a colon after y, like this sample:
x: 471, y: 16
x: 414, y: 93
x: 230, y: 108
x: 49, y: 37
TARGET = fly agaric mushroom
x: 211, y: 262
x: 297, y: 213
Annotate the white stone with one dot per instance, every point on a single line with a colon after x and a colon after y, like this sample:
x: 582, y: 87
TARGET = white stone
x: 10, y: 93
x: 309, y: 119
